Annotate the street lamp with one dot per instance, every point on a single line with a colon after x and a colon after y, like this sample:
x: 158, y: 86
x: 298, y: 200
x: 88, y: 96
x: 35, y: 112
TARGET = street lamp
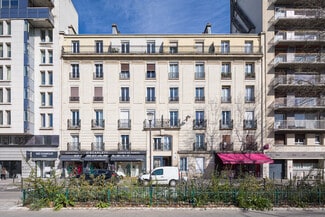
x: 150, y: 117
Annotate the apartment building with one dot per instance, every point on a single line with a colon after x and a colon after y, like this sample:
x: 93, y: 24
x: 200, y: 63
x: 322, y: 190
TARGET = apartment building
x: 294, y: 80
x: 135, y: 102
x: 30, y: 83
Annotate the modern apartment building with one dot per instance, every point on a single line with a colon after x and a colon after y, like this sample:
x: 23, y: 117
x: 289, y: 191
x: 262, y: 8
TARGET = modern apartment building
x: 294, y: 80
x: 135, y: 102
x: 30, y: 82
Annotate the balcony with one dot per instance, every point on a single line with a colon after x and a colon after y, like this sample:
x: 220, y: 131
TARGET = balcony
x: 249, y: 75
x: 97, y: 124
x: 150, y: 99
x: 98, y: 98
x: 226, y: 125
x: 74, y: 76
x: 97, y: 146
x: 74, y: 124
x: 124, y: 146
x: 299, y: 125
x: 299, y: 103
x: 250, y: 124
x: 124, y: 124
x: 224, y: 146
x: 74, y: 98
x: 299, y: 37
x: 199, y: 124
x: 199, y: 99
x: 115, y: 50
x: 199, y: 75
x: 249, y: 99
x: 287, y: 60
x: 173, y: 75
x: 200, y: 146
x: 124, y: 99
x: 226, y: 99
x: 98, y: 76
x: 73, y: 146
x: 167, y: 124
x: 225, y: 75
x: 162, y: 146
x: 125, y: 75
x: 250, y: 146
x: 174, y: 99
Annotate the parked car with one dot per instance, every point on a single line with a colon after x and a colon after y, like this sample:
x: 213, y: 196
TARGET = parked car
x: 107, y: 174
x: 161, y: 176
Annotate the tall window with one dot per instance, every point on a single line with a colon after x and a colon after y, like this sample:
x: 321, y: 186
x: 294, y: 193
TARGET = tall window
x: 75, y: 47
x: 50, y: 35
x: 249, y: 122
x: 50, y: 120
x: 173, y: 115
x: 199, y: 94
x: 50, y: 77
x: 249, y: 71
x: 43, y: 120
x: 199, y: 119
x: 98, y: 94
x: 225, y: 47
x: 43, y: 35
x: 8, y: 50
x: 125, y: 95
x: 125, y: 71
x: 151, y: 71
x: 50, y: 98
x: 99, y: 118
x: 74, y: 94
x: 50, y: 52
x: 226, y: 94
x: 249, y: 94
x: 125, y: 143
x: 1, y: 27
x: 1, y: 73
x: 199, y: 141
x: 199, y: 47
x: 173, y: 47
x: 173, y: 71
x: 248, y: 47
x: 183, y: 164
x: 151, y: 95
x: 226, y: 119
x: 75, y: 117
x: 43, y: 78
x: 1, y: 50
x: 99, y: 71
x: 151, y: 47
x: 125, y: 47
x: 74, y: 71
x: 1, y: 95
x: 43, y: 99
x: 199, y: 71
x: 43, y: 57
x: 173, y: 94
x: 99, y: 46
x: 225, y: 71
x: 8, y: 95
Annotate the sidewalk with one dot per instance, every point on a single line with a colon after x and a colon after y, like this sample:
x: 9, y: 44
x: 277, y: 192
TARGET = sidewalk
x: 10, y: 185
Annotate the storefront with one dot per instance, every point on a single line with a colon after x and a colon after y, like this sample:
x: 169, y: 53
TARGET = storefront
x: 44, y: 162
x: 129, y: 165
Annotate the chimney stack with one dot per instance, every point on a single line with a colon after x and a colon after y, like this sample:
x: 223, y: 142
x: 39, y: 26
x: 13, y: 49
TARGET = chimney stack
x: 207, y: 29
x: 115, y: 29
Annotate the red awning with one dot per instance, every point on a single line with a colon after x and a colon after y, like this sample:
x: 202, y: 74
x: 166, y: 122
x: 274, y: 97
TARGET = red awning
x: 245, y: 158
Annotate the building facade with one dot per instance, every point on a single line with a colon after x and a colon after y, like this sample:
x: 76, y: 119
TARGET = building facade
x: 294, y: 90
x: 30, y: 83
x: 135, y: 102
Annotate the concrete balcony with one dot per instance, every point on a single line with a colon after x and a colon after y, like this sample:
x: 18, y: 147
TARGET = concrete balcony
x: 200, y: 146
x: 300, y: 125
x: 97, y: 124
x: 199, y: 124
x: 168, y: 124
x: 74, y: 124
x: 73, y: 146
x: 97, y: 146
x: 124, y: 124
x: 299, y: 37
x: 124, y: 146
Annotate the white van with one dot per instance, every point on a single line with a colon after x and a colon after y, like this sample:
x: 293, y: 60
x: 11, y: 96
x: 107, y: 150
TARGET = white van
x: 161, y: 176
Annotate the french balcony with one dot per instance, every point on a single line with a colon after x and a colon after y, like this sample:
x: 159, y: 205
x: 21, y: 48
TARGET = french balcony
x: 124, y: 99
x: 124, y: 124
x: 74, y: 76
x: 162, y: 147
x: 226, y: 146
x: 249, y: 99
x: 124, y: 146
x: 97, y: 146
x: 97, y: 124
x: 162, y: 124
x: 98, y: 98
x: 174, y: 99
x: 98, y: 76
x: 125, y: 75
x: 226, y: 99
x: 74, y: 124
x: 173, y: 75
x: 150, y: 99
x: 250, y: 146
x: 249, y: 75
x: 210, y: 50
x: 299, y: 125
x: 199, y: 124
x: 250, y: 124
x: 225, y: 75
x: 199, y: 99
x: 73, y: 146
x: 226, y: 125
x: 74, y: 98
x: 199, y: 75
x: 200, y: 146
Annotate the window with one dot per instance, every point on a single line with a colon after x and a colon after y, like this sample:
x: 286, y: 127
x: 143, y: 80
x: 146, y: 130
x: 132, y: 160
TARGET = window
x: 50, y: 120
x: 74, y: 71
x: 1, y: 27
x: 225, y: 71
x: 43, y: 99
x: 199, y: 71
x: 199, y: 47
x: 249, y: 94
x: 43, y: 120
x: 125, y: 71
x: 14, y: 3
x: 125, y: 96
x: 99, y: 121
x: 199, y: 120
x: 151, y: 96
x: 99, y: 144
x: 50, y: 52
x: 99, y: 71
x: 1, y: 50
x: 43, y: 80
x: 173, y: 115
x: 99, y: 46
x: 50, y: 35
x: 173, y: 47
x: 249, y: 71
x: 43, y: 35
x: 8, y: 72
x: 173, y: 71
x: 74, y: 94
x: 318, y: 140
x: 226, y: 94
x: 151, y: 47
x: 173, y: 94
x: 249, y: 120
x: 183, y: 164
x: 8, y: 117
x: 226, y: 122
x: 1, y: 117
x: 199, y: 94
x: 1, y: 95
x: 163, y: 143
x: 8, y: 95
x: 248, y: 47
x: 50, y: 98
x: 50, y: 77
x: 125, y: 143
x: 1, y: 73
x: 43, y: 58
x: 8, y: 27
x: 5, y: 3
x: 225, y: 47
x: 75, y: 118
x: 199, y: 141
x: 8, y: 50
x: 125, y: 47
x: 75, y: 47
x: 151, y: 71
x: 98, y: 94
x: 300, y: 139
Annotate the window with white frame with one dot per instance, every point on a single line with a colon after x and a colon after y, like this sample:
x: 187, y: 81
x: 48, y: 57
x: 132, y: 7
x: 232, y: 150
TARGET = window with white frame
x: 74, y: 71
x: 75, y: 47
x: 183, y: 164
x: 173, y: 71
x: 99, y: 46
x: 199, y: 165
x: 43, y: 57
x: 199, y: 71
x: 125, y: 47
x: 151, y: 47
x: 99, y: 71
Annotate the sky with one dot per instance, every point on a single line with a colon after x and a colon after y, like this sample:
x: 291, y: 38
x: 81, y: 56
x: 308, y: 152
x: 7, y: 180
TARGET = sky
x: 152, y: 16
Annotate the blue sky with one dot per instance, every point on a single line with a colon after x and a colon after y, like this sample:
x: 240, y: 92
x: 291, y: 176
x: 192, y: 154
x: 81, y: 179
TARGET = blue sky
x: 152, y: 16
